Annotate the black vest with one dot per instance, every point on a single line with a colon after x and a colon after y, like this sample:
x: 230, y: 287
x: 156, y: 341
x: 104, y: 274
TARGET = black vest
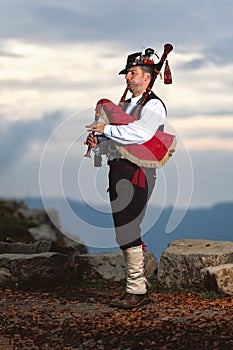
x: 150, y: 97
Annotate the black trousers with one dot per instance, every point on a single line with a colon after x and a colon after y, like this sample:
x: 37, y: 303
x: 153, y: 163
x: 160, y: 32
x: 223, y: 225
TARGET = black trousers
x: 128, y: 201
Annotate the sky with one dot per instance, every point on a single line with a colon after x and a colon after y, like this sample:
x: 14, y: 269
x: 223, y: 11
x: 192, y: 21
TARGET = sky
x: 57, y: 59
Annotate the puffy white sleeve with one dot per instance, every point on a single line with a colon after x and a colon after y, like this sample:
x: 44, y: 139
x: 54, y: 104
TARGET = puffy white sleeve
x: 153, y: 115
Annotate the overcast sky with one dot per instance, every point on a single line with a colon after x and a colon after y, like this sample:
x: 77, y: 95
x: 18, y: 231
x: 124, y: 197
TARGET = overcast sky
x: 57, y: 59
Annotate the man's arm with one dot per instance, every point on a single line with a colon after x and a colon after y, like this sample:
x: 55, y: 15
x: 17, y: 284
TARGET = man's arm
x: 140, y: 131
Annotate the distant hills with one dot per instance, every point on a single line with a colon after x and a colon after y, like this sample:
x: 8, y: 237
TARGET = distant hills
x: 214, y: 223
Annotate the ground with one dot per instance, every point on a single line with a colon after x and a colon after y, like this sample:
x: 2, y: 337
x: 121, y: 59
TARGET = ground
x: 80, y: 318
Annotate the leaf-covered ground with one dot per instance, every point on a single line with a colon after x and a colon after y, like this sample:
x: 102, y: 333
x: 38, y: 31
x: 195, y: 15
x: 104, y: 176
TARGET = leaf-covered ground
x: 66, y: 319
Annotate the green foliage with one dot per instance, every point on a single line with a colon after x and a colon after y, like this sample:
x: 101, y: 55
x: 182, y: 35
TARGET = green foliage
x: 211, y: 295
x: 14, y: 225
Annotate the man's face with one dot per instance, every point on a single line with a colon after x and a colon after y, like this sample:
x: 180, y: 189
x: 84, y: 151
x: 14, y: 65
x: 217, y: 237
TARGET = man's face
x: 137, y: 81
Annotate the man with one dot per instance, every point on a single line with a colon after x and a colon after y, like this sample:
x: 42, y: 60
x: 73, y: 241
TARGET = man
x: 130, y: 186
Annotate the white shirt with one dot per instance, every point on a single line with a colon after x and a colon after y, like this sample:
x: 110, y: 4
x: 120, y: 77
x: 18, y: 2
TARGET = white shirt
x: 153, y: 115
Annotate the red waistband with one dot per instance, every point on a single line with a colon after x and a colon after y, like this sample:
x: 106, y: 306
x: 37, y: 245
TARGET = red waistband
x: 139, y: 176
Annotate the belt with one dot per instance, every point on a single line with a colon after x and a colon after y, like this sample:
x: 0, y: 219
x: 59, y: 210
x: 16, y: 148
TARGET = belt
x: 139, y: 176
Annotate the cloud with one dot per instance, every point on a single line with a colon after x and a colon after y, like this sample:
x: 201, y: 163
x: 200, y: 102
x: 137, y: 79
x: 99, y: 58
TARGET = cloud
x: 9, y: 54
x: 220, y: 52
x: 66, y: 77
x: 187, y: 24
x: 17, y: 139
x: 45, y: 83
x: 203, y: 132
x: 194, y: 64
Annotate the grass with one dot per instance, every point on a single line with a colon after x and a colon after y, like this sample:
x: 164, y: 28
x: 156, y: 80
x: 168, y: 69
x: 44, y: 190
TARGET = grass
x: 211, y: 295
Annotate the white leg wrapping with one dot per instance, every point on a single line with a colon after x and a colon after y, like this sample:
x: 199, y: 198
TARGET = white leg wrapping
x: 136, y: 280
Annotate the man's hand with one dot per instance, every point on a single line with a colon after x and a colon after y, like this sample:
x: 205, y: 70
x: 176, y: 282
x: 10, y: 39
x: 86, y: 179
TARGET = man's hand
x: 96, y: 126
x: 91, y: 140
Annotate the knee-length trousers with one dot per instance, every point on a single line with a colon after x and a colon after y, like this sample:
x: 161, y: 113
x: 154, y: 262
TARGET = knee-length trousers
x: 128, y: 201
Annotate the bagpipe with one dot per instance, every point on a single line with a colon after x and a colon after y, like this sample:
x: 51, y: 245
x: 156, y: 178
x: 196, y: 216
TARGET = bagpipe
x: 153, y: 153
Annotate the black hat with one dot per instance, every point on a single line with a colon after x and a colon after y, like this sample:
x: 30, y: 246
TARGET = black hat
x: 140, y: 59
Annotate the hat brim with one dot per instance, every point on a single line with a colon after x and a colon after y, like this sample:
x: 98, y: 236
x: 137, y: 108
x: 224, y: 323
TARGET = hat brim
x: 124, y: 71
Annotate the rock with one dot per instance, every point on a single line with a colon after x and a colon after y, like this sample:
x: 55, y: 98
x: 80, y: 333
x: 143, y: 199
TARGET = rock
x: 40, y: 247
x: 46, y: 270
x: 35, y: 214
x: 6, y: 277
x: 182, y: 260
x: 109, y: 266
x: 43, y: 231
x: 22, y: 224
x: 35, y: 270
x: 218, y: 278
x: 38, y: 214
x: 25, y: 248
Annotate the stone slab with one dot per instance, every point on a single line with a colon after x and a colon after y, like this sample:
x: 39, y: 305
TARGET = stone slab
x: 182, y: 260
x: 219, y: 278
x: 33, y: 270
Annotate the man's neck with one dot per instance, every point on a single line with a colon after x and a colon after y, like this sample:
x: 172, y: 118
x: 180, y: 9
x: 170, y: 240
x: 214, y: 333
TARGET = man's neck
x: 138, y: 93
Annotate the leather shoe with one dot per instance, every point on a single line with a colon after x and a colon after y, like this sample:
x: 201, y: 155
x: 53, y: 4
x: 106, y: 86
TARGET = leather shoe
x: 130, y: 301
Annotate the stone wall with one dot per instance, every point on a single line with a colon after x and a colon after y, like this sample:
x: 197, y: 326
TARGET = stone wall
x: 34, y: 252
